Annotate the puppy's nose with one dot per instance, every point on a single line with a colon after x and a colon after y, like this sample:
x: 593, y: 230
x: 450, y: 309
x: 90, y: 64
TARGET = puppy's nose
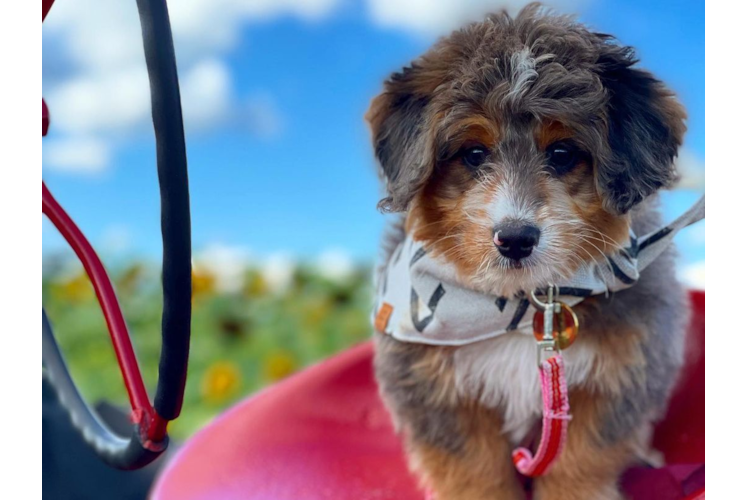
x: 516, y: 240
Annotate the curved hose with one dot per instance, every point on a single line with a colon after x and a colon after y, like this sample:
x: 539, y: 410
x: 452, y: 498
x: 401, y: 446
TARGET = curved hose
x: 175, y: 206
x: 127, y: 453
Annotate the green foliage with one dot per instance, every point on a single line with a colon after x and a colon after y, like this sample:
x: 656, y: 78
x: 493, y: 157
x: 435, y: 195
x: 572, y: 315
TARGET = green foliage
x: 241, y: 341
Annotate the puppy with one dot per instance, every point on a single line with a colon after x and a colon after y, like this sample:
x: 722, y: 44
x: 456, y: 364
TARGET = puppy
x: 520, y: 149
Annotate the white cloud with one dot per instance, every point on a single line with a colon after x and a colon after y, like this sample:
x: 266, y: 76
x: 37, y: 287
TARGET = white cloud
x: 105, y: 97
x: 691, y: 170
x: 206, y: 90
x: 202, y: 27
x: 694, y: 275
x: 336, y: 265
x: 116, y: 239
x: 101, y: 102
x: 95, y: 34
x: 106, y: 35
x: 208, y: 101
x: 77, y: 154
x: 227, y: 264
x: 696, y: 234
x: 278, y: 271
x: 442, y: 16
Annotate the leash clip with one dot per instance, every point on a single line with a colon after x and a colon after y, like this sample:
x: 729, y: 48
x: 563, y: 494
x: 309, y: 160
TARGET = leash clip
x: 548, y: 344
x: 554, y: 321
x: 546, y: 350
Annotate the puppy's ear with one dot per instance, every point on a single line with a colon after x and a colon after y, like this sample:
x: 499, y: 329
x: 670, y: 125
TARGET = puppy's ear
x: 645, y: 130
x: 402, y: 144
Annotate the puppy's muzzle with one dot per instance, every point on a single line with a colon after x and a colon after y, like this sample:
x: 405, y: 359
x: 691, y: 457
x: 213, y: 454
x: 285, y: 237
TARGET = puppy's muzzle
x: 516, y: 240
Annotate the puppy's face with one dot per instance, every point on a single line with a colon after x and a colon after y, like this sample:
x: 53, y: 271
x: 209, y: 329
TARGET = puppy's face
x: 518, y: 147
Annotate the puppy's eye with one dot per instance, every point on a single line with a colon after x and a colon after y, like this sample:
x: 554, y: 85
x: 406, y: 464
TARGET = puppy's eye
x: 562, y: 157
x: 474, y: 156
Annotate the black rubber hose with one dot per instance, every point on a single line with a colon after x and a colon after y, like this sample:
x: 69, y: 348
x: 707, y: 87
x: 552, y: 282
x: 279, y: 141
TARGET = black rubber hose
x: 122, y: 452
x: 175, y: 206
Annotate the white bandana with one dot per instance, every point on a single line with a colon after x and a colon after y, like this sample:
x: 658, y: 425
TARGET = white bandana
x: 420, y: 300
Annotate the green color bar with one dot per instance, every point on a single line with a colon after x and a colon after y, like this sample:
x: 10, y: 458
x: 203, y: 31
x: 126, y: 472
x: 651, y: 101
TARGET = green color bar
x: 727, y: 254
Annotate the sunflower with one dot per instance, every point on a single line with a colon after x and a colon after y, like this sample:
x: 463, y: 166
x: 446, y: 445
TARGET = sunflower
x: 203, y: 284
x: 279, y: 365
x: 220, y: 381
x: 77, y: 289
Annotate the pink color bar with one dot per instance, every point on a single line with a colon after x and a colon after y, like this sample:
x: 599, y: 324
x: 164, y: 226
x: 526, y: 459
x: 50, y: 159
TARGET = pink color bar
x: 726, y: 408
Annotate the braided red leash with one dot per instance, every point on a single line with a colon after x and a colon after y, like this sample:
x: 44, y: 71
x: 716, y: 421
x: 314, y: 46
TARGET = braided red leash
x: 555, y: 327
x: 555, y: 421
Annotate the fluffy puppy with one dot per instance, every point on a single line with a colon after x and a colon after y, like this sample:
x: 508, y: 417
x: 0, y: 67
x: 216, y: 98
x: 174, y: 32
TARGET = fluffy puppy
x: 519, y: 149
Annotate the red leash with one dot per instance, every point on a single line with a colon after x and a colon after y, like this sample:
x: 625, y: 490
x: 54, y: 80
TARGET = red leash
x: 555, y: 327
x: 555, y: 421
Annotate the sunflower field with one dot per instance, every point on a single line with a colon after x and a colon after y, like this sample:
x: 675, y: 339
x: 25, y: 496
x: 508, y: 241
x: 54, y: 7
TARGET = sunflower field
x: 243, y: 339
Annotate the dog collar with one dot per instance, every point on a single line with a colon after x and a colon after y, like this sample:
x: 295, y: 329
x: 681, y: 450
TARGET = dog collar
x: 421, y: 300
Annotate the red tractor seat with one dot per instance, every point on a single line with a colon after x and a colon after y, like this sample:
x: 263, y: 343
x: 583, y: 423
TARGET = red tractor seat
x: 324, y: 434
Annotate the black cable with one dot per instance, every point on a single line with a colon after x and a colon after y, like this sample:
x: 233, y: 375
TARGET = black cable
x: 175, y: 206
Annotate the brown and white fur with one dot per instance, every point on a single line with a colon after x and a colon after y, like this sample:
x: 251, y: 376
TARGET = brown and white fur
x: 516, y: 87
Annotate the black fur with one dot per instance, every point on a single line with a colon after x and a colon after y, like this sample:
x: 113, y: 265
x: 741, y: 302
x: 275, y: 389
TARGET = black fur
x: 643, y: 138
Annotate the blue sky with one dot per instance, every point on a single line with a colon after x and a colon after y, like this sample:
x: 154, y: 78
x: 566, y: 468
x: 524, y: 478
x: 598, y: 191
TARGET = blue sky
x: 275, y: 95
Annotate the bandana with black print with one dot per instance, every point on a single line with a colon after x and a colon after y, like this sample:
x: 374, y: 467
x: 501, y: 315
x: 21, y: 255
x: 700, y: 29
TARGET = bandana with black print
x: 420, y: 298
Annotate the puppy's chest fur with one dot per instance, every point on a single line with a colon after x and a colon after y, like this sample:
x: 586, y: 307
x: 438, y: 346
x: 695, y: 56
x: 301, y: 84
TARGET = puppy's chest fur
x: 502, y: 373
